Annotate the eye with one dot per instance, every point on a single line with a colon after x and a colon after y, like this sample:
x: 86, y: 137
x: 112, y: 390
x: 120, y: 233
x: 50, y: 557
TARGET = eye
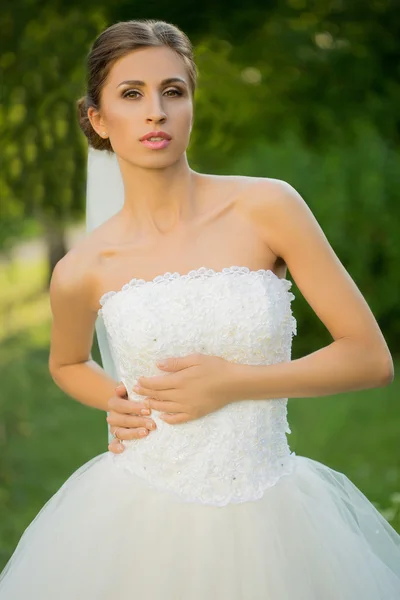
x: 177, y: 92
x: 127, y: 93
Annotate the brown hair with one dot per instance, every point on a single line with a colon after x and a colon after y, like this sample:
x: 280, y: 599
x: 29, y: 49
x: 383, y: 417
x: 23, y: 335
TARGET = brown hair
x: 115, y: 42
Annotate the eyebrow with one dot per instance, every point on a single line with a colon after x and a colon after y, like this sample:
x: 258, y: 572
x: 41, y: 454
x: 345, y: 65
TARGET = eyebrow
x: 142, y: 83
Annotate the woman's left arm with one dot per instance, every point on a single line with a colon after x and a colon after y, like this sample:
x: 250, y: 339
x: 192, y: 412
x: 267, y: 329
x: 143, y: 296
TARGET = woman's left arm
x: 358, y: 358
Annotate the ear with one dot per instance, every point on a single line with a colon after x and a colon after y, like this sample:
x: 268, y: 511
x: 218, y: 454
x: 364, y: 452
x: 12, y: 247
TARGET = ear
x: 97, y: 121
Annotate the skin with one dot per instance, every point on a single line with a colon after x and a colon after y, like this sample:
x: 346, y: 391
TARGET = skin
x: 175, y: 219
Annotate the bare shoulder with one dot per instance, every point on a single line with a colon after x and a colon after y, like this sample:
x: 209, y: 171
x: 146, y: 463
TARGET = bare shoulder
x: 260, y: 200
x: 73, y: 306
x: 284, y: 219
x: 263, y: 197
x: 74, y: 276
x: 280, y: 213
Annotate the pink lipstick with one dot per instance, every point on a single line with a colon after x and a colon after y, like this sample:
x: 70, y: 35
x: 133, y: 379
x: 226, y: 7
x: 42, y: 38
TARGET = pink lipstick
x: 156, y: 140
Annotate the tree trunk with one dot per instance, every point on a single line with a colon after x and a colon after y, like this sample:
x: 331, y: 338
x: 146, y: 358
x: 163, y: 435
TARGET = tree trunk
x: 54, y: 234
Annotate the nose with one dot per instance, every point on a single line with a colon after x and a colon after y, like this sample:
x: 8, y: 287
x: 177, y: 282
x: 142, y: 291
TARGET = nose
x: 156, y: 112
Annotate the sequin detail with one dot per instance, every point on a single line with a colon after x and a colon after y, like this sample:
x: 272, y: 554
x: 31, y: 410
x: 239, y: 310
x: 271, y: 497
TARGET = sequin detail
x: 236, y: 453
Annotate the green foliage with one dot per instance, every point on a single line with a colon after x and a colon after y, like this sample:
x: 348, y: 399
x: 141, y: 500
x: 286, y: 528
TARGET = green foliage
x: 265, y: 68
x: 44, y: 151
x: 292, y: 90
x: 354, y: 192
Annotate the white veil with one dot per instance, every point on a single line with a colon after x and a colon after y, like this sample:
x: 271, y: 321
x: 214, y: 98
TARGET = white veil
x: 104, y: 198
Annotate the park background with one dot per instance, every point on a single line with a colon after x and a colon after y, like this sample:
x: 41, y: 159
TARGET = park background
x: 305, y: 91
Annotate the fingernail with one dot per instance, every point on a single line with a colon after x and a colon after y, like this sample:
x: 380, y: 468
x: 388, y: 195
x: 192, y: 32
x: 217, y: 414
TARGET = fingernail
x: 150, y: 425
x: 143, y: 432
x: 145, y: 411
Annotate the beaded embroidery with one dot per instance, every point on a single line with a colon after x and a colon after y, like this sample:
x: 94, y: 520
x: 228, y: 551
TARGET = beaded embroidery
x: 236, y: 453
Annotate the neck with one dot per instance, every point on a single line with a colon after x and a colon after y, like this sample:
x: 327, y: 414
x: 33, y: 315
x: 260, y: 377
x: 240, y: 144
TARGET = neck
x: 158, y: 200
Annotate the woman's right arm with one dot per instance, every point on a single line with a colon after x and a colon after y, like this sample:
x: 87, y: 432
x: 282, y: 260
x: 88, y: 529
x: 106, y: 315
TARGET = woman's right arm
x: 72, y: 292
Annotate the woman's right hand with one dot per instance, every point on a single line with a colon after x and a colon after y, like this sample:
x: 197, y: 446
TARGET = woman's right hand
x: 126, y: 416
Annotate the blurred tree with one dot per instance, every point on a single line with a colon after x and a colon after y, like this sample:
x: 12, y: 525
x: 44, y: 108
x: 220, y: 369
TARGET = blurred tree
x: 319, y: 71
x: 43, y: 172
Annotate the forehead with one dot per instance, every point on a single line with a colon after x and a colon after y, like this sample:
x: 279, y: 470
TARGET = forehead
x: 150, y: 65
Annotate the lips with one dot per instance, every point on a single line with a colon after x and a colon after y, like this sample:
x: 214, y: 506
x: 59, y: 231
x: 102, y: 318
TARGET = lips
x: 156, y: 134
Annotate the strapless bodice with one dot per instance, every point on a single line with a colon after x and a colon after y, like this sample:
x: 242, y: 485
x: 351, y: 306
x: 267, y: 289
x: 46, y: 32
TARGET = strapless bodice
x: 243, y: 316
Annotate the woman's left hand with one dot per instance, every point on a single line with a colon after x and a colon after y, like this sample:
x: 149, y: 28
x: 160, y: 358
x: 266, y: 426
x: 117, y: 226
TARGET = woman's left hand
x: 195, y: 385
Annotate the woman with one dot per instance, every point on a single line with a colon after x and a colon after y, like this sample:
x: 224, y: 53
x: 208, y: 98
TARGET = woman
x: 210, y: 503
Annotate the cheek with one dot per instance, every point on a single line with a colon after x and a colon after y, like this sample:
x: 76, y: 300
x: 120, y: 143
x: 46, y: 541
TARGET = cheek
x: 181, y: 119
x: 123, y: 125
x: 120, y: 117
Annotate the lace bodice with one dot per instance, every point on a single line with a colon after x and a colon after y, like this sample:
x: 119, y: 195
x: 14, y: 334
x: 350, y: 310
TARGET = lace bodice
x: 243, y: 316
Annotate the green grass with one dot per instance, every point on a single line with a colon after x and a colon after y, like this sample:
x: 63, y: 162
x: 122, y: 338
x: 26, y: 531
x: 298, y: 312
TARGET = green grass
x: 45, y: 435
x: 24, y: 300
x: 356, y: 433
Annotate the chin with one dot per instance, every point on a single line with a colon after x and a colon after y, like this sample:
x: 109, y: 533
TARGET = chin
x: 159, y: 161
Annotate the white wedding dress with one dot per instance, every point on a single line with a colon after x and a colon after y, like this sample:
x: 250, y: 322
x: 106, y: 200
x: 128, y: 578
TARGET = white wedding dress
x: 213, y: 509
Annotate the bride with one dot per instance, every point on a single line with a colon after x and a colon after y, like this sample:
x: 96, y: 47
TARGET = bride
x: 183, y: 275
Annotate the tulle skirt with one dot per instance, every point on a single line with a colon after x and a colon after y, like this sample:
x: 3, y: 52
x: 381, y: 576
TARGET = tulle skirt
x: 108, y: 534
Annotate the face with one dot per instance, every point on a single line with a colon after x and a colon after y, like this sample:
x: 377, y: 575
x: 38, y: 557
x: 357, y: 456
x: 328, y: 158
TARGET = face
x: 130, y: 109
